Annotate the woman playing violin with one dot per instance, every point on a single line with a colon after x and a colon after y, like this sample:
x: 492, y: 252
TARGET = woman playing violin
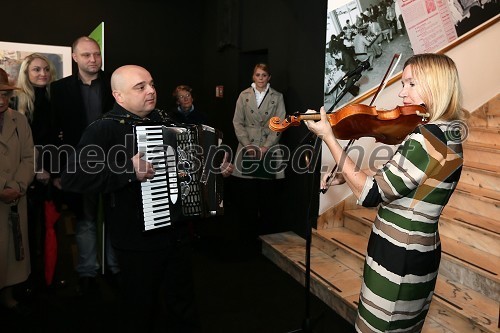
x: 404, y: 249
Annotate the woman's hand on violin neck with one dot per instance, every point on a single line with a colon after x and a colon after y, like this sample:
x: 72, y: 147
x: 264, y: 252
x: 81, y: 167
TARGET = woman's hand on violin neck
x: 321, y: 128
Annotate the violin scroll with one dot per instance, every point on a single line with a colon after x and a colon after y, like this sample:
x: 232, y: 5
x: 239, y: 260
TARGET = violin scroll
x: 275, y: 123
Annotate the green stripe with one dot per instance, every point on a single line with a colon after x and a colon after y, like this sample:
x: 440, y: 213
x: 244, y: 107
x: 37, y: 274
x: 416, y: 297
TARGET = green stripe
x: 437, y: 196
x: 414, y: 291
x: 373, y: 320
x: 406, y: 223
x: 414, y: 152
x: 380, y: 285
x: 396, y: 181
x: 391, y: 291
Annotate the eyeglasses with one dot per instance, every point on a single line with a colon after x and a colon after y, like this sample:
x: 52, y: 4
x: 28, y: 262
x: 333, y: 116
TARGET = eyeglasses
x: 183, y: 96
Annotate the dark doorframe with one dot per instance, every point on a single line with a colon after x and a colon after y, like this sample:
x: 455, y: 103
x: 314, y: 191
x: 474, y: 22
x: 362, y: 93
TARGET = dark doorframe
x: 248, y: 60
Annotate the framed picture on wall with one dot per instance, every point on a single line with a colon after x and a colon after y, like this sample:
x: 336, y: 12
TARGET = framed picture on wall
x: 363, y: 36
x: 13, y: 54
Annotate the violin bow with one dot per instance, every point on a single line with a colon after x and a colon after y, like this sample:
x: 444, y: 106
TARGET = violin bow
x: 392, y: 67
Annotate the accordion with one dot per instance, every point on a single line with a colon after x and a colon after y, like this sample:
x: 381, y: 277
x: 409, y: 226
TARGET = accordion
x: 187, y: 182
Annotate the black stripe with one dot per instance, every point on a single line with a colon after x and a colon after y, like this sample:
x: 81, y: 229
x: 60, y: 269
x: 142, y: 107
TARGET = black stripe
x: 373, y: 198
x: 392, y: 257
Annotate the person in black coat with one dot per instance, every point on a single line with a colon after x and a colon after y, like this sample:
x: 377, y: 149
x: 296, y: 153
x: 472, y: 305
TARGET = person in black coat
x: 33, y: 100
x: 77, y: 101
x: 156, y: 276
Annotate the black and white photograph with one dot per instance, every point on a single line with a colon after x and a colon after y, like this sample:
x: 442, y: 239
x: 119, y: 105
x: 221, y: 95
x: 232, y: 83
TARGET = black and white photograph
x: 266, y: 166
x: 361, y: 43
x: 469, y: 14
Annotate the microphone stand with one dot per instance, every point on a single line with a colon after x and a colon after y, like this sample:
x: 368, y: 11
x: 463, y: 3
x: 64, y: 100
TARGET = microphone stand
x: 348, y: 85
x: 311, y: 163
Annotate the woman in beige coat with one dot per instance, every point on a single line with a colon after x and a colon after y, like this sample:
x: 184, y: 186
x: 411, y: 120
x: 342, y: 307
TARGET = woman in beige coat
x: 16, y: 173
x: 257, y: 162
x: 255, y: 106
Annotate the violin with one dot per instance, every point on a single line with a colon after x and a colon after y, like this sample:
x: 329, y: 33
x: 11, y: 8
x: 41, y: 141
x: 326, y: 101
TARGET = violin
x: 358, y: 120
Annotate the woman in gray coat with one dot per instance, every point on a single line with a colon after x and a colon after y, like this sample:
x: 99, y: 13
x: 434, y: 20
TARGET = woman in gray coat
x: 257, y: 165
x: 16, y: 173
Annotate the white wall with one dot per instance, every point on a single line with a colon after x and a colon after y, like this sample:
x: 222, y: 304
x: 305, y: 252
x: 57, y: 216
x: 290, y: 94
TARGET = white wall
x: 478, y: 63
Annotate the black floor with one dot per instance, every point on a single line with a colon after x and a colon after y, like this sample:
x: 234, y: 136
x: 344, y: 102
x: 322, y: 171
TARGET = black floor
x: 235, y: 295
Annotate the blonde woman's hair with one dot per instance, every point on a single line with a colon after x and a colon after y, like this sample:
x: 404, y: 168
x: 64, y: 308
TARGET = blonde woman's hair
x: 438, y: 84
x: 26, y: 96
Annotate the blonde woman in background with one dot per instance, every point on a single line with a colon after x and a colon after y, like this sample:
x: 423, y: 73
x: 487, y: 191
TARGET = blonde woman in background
x: 36, y: 74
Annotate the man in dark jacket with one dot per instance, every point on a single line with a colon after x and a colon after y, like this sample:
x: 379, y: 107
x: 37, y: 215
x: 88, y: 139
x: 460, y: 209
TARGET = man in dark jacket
x: 155, y: 265
x: 77, y: 101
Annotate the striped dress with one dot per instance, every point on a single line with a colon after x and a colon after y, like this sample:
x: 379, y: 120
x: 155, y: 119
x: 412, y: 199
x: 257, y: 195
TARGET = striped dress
x: 404, y: 250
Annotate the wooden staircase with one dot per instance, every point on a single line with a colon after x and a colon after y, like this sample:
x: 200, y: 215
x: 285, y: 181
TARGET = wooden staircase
x: 467, y: 293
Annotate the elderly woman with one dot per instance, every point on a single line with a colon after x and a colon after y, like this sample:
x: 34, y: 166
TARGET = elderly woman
x: 16, y: 173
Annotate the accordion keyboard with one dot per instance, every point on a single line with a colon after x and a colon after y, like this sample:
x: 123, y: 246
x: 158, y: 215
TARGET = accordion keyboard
x: 161, y: 191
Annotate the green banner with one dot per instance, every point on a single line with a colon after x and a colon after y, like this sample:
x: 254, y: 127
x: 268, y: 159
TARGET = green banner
x: 98, y: 35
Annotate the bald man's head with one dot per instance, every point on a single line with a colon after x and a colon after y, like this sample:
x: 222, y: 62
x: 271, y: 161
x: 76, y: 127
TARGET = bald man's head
x: 134, y: 90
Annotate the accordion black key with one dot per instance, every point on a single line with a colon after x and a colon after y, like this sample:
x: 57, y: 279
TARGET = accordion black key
x: 187, y: 181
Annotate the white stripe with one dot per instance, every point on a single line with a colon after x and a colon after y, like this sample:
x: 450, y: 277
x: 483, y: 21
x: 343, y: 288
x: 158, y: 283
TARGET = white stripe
x: 408, y: 167
x: 425, y: 207
x: 379, y: 302
x: 413, y: 306
x: 395, y: 278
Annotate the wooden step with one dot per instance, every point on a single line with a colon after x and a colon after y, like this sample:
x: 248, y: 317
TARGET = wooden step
x: 474, y: 273
x: 481, y: 175
x: 477, y: 269
x: 335, y: 283
x: 487, y: 121
x: 488, y: 115
x: 480, y: 222
x: 463, y: 310
x: 469, y: 233
x: 478, y: 191
x: 473, y: 199
x: 481, y: 153
x: 331, y: 281
x: 442, y: 292
x: 489, y: 135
